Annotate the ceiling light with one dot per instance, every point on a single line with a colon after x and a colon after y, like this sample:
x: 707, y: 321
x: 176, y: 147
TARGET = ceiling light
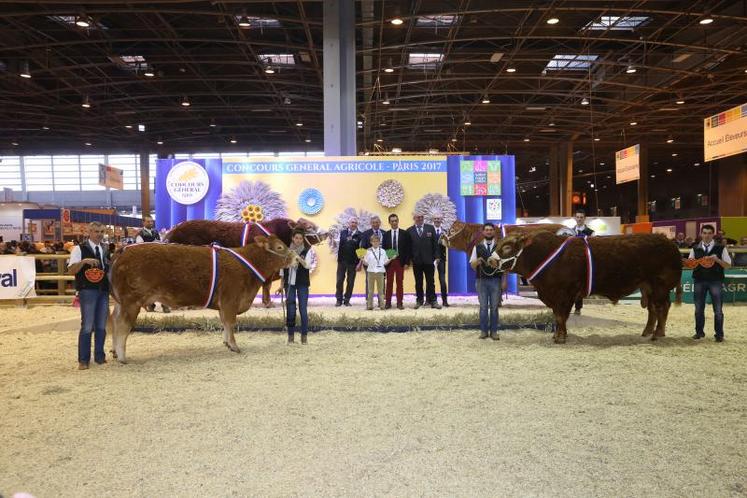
x: 630, y: 69
x: 602, y: 164
x: 696, y: 164
x: 385, y: 101
x: 596, y: 139
x: 212, y: 123
x: 87, y: 144
x: 389, y: 70
x: 397, y: 21
x: 269, y: 70
x: 233, y: 140
x: 128, y: 127
x: 141, y: 128
x: 299, y: 124
x: 511, y: 70
x: 160, y: 142
x: 680, y: 102
x: 669, y: 170
x: 485, y: 100
x: 706, y: 20
x: 308, y: 140
x: 550, y: 124
x: 287, y: 101
x: 633, y: 123
x: 585, y: 101
x: 45, y: 127
x: 83, y: 21
x: 186, y: 102
x: 244, y: 22
x: 454, y: 139
x: 149, y: 73
x: 379, y: 140
x: 86, y: 104
x: 468, y: 123
x: 553, y: 20
x: 432, y: 151
x: 653, y: 176
x: 24, y: 72
x: 396, y: 150
x: 674, y: 154
x: 670, y: 140
x: 526, y: 139
x: 359, y: 123
x: 14, y: 144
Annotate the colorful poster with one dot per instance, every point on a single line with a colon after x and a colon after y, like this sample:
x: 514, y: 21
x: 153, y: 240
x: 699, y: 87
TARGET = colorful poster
x: 480, y: 177
x: 628, y: 164
x: 725, y: 134
x: 17, y: 276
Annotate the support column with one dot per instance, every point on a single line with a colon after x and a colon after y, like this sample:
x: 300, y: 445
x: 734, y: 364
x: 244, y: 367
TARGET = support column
x: 566, y: 178
x: 643, y: 186
x: 554, y: 181
x: 732, y: 186
x: 339, y: 78
x: 145, y: 183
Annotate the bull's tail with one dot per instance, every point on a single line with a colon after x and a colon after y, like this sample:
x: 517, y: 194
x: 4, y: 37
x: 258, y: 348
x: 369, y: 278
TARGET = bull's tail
x: 678, y: 295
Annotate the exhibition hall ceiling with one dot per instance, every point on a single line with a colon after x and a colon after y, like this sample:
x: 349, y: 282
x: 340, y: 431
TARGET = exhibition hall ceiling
x: 461, y: 75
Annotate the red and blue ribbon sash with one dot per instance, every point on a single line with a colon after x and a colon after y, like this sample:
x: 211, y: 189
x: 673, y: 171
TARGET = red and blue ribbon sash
x: 245, y: 232
x: 589, y: 285
x: 213, y: 277
x: 245, y: 262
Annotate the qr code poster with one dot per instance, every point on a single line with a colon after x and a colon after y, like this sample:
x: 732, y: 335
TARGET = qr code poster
x: 480, y: 177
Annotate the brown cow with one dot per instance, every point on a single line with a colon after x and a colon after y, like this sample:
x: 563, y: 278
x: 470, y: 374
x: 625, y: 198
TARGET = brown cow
x: 228, y: 234
x: 621, y: 264
x: 464, y: 236
x: 184, y: 276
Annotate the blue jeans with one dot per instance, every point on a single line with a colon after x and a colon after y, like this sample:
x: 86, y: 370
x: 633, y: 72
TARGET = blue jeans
x: 488, y: 293
x: 94, y: 310
x: 699, y: 294
x: 303, y: 299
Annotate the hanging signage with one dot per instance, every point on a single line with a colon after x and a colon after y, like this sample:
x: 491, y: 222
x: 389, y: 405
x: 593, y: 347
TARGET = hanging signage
x: 110, y: 177
x: 187, y: 182
x: 17, y: 276
x: 725, y: 134
x: 628, y: 164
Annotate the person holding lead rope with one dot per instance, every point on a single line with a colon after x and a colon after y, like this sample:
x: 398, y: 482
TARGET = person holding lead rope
x: 295, y: 284
x: 487, y: 283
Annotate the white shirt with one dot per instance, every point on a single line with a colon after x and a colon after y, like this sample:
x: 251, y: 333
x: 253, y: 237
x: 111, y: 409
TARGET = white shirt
x: 310, y: 260
x: 395, y: 236
x: 139, y: 239
x: 376, y: 259
x: 75, y: 255
x: 473, y: 258
x: 707, y: 248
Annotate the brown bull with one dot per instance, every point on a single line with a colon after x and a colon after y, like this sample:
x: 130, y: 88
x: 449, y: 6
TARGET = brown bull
x: 621, y: 264
x: 227, y: 234
x: 179, y: 275
x: 464, y: 236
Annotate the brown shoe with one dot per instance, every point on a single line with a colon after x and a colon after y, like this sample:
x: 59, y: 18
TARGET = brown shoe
x: 82, y: 366
x: 303, y: 339
x: 400, y: 307
x: 494, y: 336
x: 483, y: 335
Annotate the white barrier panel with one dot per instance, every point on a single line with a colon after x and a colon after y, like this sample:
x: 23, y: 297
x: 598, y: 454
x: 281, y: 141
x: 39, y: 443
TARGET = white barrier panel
x: 17, y: 276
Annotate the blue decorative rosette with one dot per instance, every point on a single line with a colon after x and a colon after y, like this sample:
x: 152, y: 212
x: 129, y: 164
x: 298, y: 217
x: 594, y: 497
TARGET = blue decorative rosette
x: 310, y: 201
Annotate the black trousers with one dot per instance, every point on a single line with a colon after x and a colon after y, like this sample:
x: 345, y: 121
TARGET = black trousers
x: 345, y: 270
x: 427, y: 270
x: 441, y: 268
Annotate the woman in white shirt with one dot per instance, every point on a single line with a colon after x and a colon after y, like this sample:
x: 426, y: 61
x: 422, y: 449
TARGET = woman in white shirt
x: 375, y: 262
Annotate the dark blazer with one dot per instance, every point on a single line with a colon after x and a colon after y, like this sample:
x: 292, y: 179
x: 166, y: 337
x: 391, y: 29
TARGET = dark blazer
x: 366, y: 238
x: 403, y: 242
x: 425, y: 248
x: 347, y: 247
x: 442, y: 251
x: 586, y: 231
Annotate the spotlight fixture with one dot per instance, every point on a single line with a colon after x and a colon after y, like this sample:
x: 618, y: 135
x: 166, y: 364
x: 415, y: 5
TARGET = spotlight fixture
x: 359, y: 123
x: 670, y: 140
x: 553, y: 20
x: 244, y: 22
x: 88, y: 144
x: 14, y: 143
x: 526, y: 139
x: 269, y: 70
x: 511, y: 70
x: 24, y: 72
x: 454, y: 139
x: 550, y: 124
x: 389, y: 70
x: 680, y: 102
x: 287, y: 101
x: 83, y: 21
x: 160, y: 142
x: 633, y: 123
x: 674, y: 154
x: 585, y: 101
x: 149, y: 72
x: 86, y: 104
x: 669, y: 170
x: 630, y: 69
x: 385, y: 101
x: 129, y: 127
x: 233, y: 140
x: 396, y: 150
x: 212, y: 123
x: 468, y: 123
x: 308, y: 140
x: 186, y: 102
x: 397, y: 21
x: 379, y: 140
x: 45, y: 127
x: 299, y: 124
x: 485, y: 100
x: 706, y: 20
x: 596, y: 139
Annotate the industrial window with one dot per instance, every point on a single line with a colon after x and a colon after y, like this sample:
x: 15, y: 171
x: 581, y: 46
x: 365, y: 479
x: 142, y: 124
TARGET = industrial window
x: 130, y: 166
x: 570, y: 62
x: 10, y: 172
x: 66, y: 173
x: 436, y: 21
x: 278, y: 59
x: 89, y: 172
x: 38, y: 172
x: 424, y: 61
x: 259, y: 22
x: 617, y: 23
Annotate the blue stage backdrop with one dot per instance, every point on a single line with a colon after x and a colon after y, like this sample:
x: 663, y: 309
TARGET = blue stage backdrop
x: 486, y: 200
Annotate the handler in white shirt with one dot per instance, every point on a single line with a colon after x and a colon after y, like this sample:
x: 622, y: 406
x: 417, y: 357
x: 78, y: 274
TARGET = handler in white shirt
x: 375, y: 262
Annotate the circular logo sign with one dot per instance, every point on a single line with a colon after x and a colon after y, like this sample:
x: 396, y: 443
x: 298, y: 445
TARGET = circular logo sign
x: 187, y: 182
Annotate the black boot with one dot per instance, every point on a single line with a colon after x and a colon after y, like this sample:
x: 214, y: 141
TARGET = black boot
x: 303, y: 339
x: 291, y: 334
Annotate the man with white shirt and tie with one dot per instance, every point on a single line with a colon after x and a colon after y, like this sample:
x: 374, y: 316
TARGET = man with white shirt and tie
x: 399, y: 240
x: 93, y: 293
x: 708, y: 280
x: 581, y: 230
x: 487, y: 282
x: 347, y: 262
x: 441, y: 266
x: 424, y: 253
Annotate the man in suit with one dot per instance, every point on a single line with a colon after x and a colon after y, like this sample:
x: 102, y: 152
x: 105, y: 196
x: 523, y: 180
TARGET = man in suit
x: 347, y: 261
x: 424, y: 254
x: 441, y: 266
x: 399, y: 240
x: 581, y: 230
x: 366, y: 239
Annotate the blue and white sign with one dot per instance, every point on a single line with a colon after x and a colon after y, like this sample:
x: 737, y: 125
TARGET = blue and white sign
x: 17, y: 276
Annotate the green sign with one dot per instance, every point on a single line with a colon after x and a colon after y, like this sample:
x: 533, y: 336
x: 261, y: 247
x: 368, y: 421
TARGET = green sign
x: 732, y: 289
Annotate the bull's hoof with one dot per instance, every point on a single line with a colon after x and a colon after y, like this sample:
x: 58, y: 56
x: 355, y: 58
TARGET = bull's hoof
x: 646, y: 332
x: 560, y: 339
x: 232, y: 347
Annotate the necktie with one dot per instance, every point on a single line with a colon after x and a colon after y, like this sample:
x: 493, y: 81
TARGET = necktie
x: 438, y: 232
x: 420, y: 231
x: 490, y: 249
x: 98, y: 256
x: 394, y: 242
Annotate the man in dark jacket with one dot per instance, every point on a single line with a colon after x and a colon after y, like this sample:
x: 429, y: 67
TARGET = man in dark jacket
x: 399, y: 240
x: 424, y: 254
x: 581, y: 230
x: 441, y: 266
x: 347, y: 261
x: 709, y: 280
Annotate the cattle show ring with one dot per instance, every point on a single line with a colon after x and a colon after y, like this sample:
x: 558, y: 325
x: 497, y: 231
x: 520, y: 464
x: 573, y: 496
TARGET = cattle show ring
x: 212, y: 398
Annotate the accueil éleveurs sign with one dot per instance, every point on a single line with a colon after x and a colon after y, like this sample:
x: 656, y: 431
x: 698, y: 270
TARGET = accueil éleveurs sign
x: 628, y: 164
x: 725, y: 134
x: 17, y: 276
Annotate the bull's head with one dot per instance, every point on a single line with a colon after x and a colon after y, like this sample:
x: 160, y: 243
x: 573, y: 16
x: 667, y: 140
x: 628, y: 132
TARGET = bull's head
x: 509, y: 249
x: 455, y: 229
x: 312, y: 234
x: 274, y: 245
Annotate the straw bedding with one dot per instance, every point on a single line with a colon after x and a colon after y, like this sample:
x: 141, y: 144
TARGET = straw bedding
x: 432, y: 413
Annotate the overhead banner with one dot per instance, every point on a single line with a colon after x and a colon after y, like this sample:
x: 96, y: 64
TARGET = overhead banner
x: 628, y: 164
x: 110, y: 177
x: 17, y: 276
x: 725, y: 134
